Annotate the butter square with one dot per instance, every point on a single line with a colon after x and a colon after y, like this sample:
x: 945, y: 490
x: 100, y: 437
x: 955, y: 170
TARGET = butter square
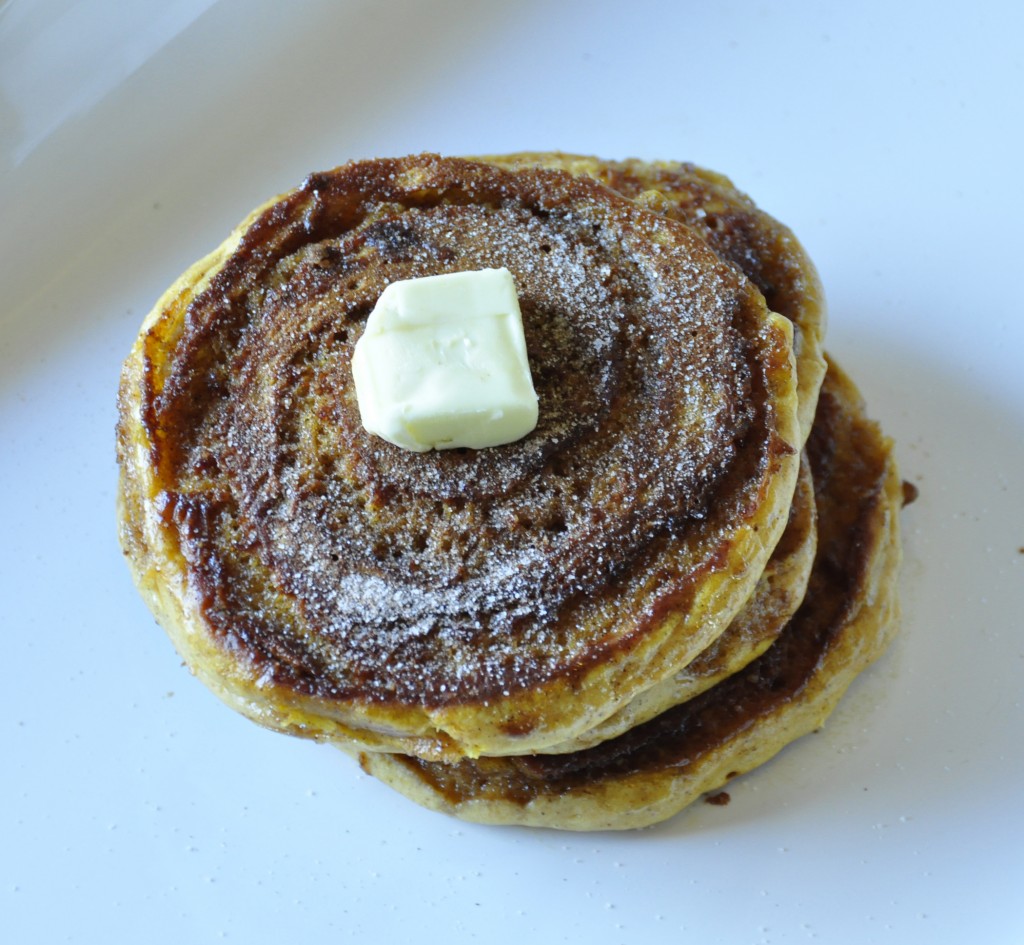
x: 442, y: 363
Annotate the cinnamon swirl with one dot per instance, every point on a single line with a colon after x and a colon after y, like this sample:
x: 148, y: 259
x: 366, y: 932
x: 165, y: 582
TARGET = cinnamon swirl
x: 460, y: 603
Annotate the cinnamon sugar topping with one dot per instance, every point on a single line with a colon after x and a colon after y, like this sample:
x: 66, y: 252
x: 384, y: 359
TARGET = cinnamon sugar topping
x: 346, y: 567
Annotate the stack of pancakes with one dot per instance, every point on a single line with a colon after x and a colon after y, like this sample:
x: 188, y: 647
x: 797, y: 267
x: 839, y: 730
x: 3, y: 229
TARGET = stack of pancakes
x: 677, y: 573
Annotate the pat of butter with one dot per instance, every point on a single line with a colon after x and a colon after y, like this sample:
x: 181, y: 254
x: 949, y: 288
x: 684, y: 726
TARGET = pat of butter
x: 442, y: 363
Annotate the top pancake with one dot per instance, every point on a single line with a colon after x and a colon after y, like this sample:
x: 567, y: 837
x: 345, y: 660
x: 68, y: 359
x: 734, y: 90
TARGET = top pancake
x: 328, y: 583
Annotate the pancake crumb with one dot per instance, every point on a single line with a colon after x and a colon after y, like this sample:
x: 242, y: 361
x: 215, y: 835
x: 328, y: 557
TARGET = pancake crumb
x: 721, y: 799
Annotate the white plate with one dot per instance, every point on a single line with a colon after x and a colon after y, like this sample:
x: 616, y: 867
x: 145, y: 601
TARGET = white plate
x: 136, y: 808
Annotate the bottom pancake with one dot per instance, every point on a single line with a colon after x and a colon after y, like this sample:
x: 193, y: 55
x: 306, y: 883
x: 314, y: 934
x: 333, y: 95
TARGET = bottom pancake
x: 655, y: 769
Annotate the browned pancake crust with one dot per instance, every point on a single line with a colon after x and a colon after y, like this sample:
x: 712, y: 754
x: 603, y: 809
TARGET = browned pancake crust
x: 328, y: 583
x: 653, y: 770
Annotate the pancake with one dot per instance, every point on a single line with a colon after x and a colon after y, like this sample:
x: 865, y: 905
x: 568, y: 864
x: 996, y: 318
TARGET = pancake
x: 655, y: 769
x: 459, y: 603
x: 763, y: 249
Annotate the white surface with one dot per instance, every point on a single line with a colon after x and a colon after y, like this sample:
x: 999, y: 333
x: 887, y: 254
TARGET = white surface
x: 136, y: 808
